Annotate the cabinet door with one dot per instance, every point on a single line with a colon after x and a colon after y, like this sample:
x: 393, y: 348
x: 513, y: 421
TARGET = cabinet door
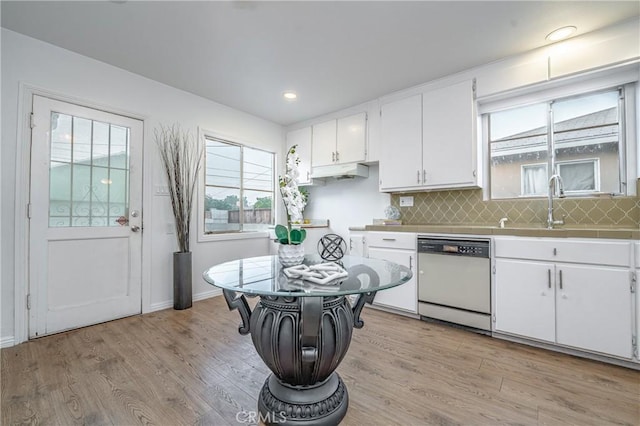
x: 356, y: 244
x: 404, y: 296
x: 449, y: 150
x: 302, y: 138
x: 525, y: 299
x: 593, y: 308
x: 351, y: 146
x: 323, y: 145
x: 401, y: 144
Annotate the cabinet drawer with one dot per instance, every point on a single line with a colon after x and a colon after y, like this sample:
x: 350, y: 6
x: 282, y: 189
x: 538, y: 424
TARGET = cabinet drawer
x: 598, y: 252
x: 398, y: 240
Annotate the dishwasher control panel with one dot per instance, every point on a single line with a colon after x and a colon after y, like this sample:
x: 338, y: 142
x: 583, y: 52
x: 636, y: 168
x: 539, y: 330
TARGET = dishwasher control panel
x: 454, y: 247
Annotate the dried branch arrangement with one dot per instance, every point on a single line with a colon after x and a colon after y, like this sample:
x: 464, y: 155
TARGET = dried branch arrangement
x: 182, y: 158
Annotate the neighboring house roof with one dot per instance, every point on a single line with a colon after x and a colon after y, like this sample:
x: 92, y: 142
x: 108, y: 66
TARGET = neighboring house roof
x: 595, y: 130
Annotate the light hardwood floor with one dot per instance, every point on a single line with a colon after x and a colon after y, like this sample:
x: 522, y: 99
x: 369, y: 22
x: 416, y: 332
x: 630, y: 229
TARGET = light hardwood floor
x: 192, y: 367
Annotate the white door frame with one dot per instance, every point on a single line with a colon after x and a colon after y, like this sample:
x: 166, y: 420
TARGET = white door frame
x: 22, y: 197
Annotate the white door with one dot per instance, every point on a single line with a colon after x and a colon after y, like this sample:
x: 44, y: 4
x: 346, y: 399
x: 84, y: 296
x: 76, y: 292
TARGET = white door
x: 449, y: 135
x: 323, y: 144
x: 85, y: 228
x: 352, y: 138
x: 401, y: 144
x: 525, y: 299
x: 594, y: 309
x: 404, y: 296
x: 302, y: 138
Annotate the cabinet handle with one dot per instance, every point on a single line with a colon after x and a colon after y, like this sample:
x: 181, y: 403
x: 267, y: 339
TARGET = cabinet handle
x: 411, y: 262
x: 424, y: 176
x: 308, y: 176
x: 555, y: 251
x: 337, y: 156
x: 333, y: 157
x: 560, y: 279
x: 388, y: 239
x: 418, y: 176
x: 549, y: 277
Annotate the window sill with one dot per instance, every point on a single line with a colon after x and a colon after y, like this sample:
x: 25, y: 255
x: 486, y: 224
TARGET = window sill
x: 233, y: 236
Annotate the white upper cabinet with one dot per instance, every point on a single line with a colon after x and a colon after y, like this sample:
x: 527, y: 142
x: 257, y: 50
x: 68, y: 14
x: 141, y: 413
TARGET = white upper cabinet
x: 351, y: 145
x: 323, y: 146
x: 429, y: 140
x: 340, y: 141
x: 449, y: 136
x: 302, y: 138
x: 401, y: 144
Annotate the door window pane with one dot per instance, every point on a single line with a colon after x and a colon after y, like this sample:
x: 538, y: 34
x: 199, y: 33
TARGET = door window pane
x: 88, y: 172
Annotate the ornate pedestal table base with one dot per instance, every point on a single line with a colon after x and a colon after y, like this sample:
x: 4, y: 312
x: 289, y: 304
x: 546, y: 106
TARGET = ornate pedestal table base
x: 302, y: 340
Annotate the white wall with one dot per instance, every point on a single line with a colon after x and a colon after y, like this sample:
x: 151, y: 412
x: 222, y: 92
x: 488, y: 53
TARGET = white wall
x: 349, y: 202
x: 32, y: 62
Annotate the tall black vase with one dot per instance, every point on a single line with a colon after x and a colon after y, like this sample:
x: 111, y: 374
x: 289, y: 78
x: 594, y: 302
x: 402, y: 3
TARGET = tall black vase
x: 182, y: 291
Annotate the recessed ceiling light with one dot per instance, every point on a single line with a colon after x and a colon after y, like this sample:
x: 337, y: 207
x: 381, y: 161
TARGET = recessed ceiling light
x: 561, y: 33
x: 290, y: 95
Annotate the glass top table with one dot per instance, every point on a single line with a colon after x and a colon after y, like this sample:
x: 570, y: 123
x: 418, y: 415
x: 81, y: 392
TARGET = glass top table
x: 302, y: 330
x: 264, y: 276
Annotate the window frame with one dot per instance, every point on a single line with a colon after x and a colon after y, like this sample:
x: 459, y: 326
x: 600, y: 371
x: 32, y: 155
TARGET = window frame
x: 596, y: 175
x: 623, y: 77
x: 203, y: 236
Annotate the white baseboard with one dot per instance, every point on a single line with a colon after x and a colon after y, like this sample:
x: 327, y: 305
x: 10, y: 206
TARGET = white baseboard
x: 207, y: 294
x: 169, y: 303
x: 7, y: 342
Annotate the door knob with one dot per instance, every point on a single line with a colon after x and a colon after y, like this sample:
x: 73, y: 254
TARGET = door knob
x: 135, y: 228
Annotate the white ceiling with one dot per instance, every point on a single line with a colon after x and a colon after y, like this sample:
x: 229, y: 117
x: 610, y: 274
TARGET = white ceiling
x: 333, y: 54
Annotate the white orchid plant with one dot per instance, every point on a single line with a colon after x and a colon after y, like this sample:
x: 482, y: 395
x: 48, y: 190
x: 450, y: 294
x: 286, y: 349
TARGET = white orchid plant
x: 294, y: 201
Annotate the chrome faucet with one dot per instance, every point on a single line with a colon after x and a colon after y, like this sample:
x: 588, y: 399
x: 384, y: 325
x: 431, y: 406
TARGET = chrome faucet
x: 554, y: 181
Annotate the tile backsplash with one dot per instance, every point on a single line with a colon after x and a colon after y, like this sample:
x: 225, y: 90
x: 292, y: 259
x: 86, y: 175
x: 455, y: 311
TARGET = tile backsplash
x: 468, y: 207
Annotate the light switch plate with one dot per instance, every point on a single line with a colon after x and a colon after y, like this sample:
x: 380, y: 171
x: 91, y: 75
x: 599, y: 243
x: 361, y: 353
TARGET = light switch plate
x: 406, y: 201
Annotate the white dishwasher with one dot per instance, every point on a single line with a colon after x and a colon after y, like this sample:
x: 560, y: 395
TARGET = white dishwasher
x: 454, y: 281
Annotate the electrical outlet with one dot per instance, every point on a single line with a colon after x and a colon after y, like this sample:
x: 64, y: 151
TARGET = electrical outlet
x: 406, y: 201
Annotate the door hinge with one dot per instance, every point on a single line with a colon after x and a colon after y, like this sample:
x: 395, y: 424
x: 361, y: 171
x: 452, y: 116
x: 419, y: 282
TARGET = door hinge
x: 380, y: 112
x: 634, y: 346
x: 29, y: 301
x: 493, y: 270
x: 633, y: 282
x: 29, y: 211
x: 32, y: 123
x: 473, y: 88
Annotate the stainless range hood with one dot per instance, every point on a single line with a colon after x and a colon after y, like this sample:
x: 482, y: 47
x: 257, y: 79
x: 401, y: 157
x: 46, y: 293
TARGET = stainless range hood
x: 340, y: 171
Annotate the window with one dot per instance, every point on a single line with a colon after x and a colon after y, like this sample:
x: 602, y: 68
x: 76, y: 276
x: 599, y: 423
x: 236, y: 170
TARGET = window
x: 534, y: 179
x: 577, y: 177
x: 581, y: 138
x: 239, y: 187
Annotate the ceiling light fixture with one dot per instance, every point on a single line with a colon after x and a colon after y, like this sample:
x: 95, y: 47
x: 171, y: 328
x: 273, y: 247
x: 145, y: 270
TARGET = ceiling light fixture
x: 561, y: 33
x: 290, y: 95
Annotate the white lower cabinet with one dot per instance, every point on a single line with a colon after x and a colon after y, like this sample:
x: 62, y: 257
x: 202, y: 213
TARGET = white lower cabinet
x: 398, y: 248
x: 582, y: 306
x: 593, y: 309
x: 525, y: 299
